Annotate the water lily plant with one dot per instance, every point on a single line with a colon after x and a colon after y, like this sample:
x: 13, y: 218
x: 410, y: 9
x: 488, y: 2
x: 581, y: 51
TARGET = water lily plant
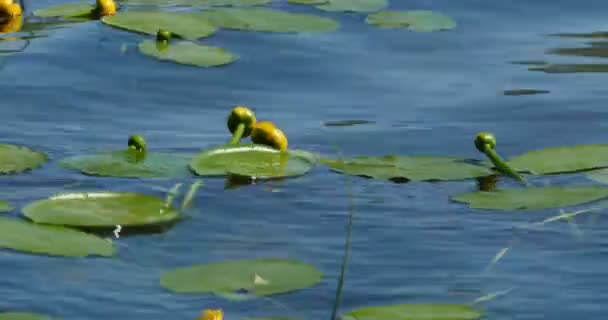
x: 9, y: 9
x: 211, y: 314
x: 241, y: 122
x: 105, y: 8
x: 486, y: 143
x: 266, y: 133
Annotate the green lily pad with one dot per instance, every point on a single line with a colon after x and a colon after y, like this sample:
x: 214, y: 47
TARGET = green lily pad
x: 185, y: 25
x: 25, y: 316
x: 258, y: 277
x: 534, y: 198
x: 124, y: 164
x: 100, y: 209
x: 268, y: 20
x: 188, y: 53
x: 6, y: 206
x: 50, y: 240
x: 16, y: 159
x: 353, y: 5
x: 571, y: 68
x: 307, y: 1
x: 67, y: 10
x: 252, y: 160
x: 409, y: 168
x: 417, y: 20
x: 415, y: 312
x: 566, y: 159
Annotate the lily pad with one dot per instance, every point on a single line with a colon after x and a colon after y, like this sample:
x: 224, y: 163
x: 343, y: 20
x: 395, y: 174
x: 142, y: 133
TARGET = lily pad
x: 188, y: 53
x: 566, y: 159
x: 534, y: 198
x: 268, y: 20
x: 67, y: 10
x: 353, y: 5
x: 50, y: 240
x: 24, y: 316
x: 415, y: 312
x: 6, y: 206
x: 571, y: 68
x: 307, y: 1
x: 100, y: 209
x: 123, y: 164
x: 253, y: 160
x: 256, y: 277
x: 185, y: 25
x: 16, y: 159
x: 417, y: 20
x: 408, y: 168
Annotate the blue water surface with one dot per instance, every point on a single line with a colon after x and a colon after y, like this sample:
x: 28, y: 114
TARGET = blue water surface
x: 77, y: 92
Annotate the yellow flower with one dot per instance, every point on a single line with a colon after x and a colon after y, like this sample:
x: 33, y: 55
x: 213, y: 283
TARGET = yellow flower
x: 211, y: 314
x: 10, y: 9
x: 105, y: 8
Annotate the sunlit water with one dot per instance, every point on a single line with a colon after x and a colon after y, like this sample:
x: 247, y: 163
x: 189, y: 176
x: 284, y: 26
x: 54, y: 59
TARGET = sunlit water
x: 76, y: 92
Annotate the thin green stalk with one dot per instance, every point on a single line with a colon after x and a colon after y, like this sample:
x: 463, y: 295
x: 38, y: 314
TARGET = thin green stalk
x: 238, y: 134
x: 503, y: 166
x: 347, y: 245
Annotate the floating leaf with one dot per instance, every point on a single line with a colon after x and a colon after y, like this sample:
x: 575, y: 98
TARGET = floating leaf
x: 571, y: 68
x: 596, y: 51
x: 6, y: 206
x: 417, y: 20
x: 415, y: 168
x: 521, y: 92
x: 253, y: 160
x: 67, y: 10
x: 534, y: 198
x: 280, y: 275
x: 415, y: 312
x: 24, y: 316
x: 124, y: 164
x: 565, y: 159
x: 188, y: 53
x: 185, y: 25
x: 51, y: 240
x: 354, y: 5
x: 268, y: 20
x: 16, y: 159
x: 100, y: 209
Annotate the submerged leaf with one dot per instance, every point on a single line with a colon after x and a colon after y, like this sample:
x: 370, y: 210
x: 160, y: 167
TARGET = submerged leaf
x: 534, y: 198
x: 51, y: 240
x: 415, y: 312
x: 67, y: 10
x: 354, y: 5
x: 414, y: 168
x: 417, y: 20
x: 124, y: 164
x: 188, y: 53
x: 6, y: 206
x: 252, y: 160
x: 186, y: 25
x: 566, y: 159
x: 280, y: 276
x: 100, y: 209
x: 16, y: 159
x: 268, y: 20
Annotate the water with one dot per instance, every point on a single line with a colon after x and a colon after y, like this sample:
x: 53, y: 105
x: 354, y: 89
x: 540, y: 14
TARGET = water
x: 75, y: 92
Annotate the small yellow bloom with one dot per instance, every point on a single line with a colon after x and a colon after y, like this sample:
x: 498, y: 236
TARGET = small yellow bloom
x: 105, y: 8
x: 211, y: 314
x: 10, y: 10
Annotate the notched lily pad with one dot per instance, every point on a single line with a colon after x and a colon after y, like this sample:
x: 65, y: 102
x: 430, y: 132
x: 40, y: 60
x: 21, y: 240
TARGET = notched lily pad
x: 188, y: 53
x: 566, y: 159
x: 67, y: 10
x: 415, y: 312
x: 268, y: 20
x: 101, y: 209
x: 6, y: 206
x: 255, y: 277
x: 417, y: 20
x: 50, y: 240
x: 399, y: 168
x: 16, y: 159
x: 353, y: 5
x: 534, y: 198
x: 253, y: 160
x: 128, y: 164
x: 185, y: 25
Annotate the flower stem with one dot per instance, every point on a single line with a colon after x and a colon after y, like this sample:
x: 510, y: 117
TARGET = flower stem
x: 503, y: 166
x: 238, y: 134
